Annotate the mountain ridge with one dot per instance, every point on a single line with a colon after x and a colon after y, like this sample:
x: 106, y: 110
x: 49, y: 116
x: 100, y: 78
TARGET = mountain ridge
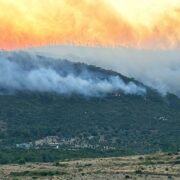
x: 138, y: 123
x: 36, y: 121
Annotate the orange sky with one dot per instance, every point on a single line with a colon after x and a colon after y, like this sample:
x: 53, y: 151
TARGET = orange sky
x: 131, y: 23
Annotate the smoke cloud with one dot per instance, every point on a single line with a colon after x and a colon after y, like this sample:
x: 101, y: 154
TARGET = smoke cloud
x: 25, y: 72
x: 158, y: 69
x: 27, y: 23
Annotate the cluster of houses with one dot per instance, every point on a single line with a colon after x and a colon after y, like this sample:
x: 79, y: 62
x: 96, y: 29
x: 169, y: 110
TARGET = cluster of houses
x: 49, y: 141
x: 55, y: 142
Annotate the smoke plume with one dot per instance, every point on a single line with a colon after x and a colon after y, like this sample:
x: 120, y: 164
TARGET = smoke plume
x: 158, y: 69
x: 25, y: 72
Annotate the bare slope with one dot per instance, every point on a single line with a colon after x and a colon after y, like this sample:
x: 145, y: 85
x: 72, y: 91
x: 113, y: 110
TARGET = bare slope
x: 157, y: 166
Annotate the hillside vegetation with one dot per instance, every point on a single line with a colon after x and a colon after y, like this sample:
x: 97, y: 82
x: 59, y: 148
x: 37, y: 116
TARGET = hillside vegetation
x: 126, y: 123
x: 157, y: 166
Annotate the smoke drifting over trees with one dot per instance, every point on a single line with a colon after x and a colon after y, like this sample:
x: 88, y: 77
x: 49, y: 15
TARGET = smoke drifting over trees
x: 158, y: 69
x: 24, y: 72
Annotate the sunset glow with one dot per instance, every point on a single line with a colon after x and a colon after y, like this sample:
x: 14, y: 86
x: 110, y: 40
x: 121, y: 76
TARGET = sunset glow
x: 140, y: 24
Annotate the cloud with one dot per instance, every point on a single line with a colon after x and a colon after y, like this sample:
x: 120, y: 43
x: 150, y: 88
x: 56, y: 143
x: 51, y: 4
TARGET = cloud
x: 165, y: 32
x: 23, y: 72
x: 88, y: 22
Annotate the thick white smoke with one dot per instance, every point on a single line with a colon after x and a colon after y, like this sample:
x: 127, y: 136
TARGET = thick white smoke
x: 159, y: 69
x: 19, y: 72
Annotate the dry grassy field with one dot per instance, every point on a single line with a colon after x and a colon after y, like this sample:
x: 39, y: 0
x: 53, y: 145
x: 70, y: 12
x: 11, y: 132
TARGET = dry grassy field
x: 158, y: 166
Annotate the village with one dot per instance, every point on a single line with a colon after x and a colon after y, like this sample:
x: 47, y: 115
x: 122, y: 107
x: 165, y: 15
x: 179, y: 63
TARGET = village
x: 55, y: 142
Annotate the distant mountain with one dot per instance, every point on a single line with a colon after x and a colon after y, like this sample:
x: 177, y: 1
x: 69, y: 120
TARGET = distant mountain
x: 47, y: 103
x: 22, y: 71
x: 159, y: 69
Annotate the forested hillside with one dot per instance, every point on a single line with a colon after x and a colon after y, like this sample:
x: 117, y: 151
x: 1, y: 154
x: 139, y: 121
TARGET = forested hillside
x: 137, y: 123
